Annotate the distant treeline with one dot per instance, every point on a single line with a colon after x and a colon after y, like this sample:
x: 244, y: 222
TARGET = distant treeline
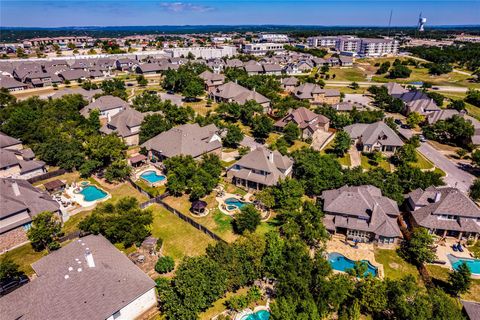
x: 17, y: 34
x: 466, y: 55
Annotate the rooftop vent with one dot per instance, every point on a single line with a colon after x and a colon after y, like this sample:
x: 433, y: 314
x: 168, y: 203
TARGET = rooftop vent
x: 438, y: 196
x: 89, y: 258
x: 16, y: 190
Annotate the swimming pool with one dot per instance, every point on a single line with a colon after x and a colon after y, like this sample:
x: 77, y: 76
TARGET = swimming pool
x: 340, y: 263
x: 92, y: 193
x: 472, y: 264
x: 152, y: 176
x: 233, y: 203
x: 259, y: 315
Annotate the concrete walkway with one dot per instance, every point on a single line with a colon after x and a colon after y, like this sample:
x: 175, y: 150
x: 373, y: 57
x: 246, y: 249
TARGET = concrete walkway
x: 355, y: 157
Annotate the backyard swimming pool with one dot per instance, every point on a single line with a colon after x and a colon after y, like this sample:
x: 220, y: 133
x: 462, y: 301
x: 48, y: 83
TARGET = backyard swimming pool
x: 92, y: 193
x: 340, y: 263
x: 234, y: 203
x: 259, y: 315
x: 472, y: 264
x: 152, y: 176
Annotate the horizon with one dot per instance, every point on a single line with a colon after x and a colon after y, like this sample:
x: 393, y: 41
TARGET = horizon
x: 152, y: 13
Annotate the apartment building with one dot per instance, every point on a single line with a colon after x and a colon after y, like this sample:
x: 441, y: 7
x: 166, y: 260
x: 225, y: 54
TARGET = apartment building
x: 349, y: 45
x: 262, y: 48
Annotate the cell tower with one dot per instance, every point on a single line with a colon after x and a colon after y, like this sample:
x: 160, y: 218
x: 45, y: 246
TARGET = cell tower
x: 421, y: 23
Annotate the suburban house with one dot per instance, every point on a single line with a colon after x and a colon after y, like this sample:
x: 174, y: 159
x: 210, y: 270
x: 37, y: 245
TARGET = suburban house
x: 289, y: 84
x: 148, y: 68
x: 126, y: 124
x: 175, y: 99
x: 188, y: 139
x: 316, y: 95
x: 86, y: 94
x: 272, y: 69
x: 126, y: 64
x: 372, y: 137
x: 233, y: 92
x: 212, y: 80
x: 11, y: 84
x: 74, y: 75
x: 20, y: 203
x: 346, y: 106
x: 107, y: 105
x: 361, y: 213
x: 471, y: 309
x: 346, y: 61
x: 7, y: 142
x: 86, y: 279
x: 444, y: 212
x: 307, y: 121
x: 414, y: 100
x: 260, y: 168
x: 252, y: 67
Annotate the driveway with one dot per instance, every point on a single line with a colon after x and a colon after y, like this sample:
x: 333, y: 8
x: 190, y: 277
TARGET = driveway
x: 455, y: 177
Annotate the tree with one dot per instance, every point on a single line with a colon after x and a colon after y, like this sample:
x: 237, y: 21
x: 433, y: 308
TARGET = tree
x: 262, y: 126
x: 164, y: 264
x: 291, y: 132
x: 119, y: 170
x: 437, y: 97
x: 455, y: 130
x: 399, y: 71
x: 473, y: 97
x: 152, y: 125
x: 475, y: 190
x: 44, y: 231
x: 341, y: 143
x: 439, y: 68
x: 383, y: 68
x: 233, y: 137
x: 123, y: 222
x: 458, y: 105
x: 419, y: 248
x: 194, y: 88
x: 414, y: 119
x: 247, y: 220
x: 354, y: 86
x: 142, y: 81
x: 460, y: 279
x: 9, y: 269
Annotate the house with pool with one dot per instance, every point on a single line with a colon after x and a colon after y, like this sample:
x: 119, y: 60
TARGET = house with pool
x: 188, y: 140
x: 362, y: 214
x: 259, y: 169
x: 446, y: 212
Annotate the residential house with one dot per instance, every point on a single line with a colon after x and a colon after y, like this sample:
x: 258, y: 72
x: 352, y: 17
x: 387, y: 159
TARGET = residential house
x: 7, y: 142
x: 234, y: 63
x: 346, y: 61
x: 252, y: 67
x: 212, y: 80
x: 20, y: 164
x: 361, y: 213
x: 126, y: 64
x: 11, y: 84
x: 74, y: 75
x: 444, y: 211
x: 217, y: 65
x: 471, y: 309
x: 126, y: 124
x: 86, y: 94
x: 148, y: 68
x: 175, y: 99
x: 188, y: 139
x: 20, y: 203
x: 86, y: 279
x: 346, y: 106
x: 233, y: 92
x: 272, y: 69
x: 289, y: 84
x: 307, y: 121
x: 316, y: 95
x: 260, y: 168
x: 372, y: 137
x: 107, y: 105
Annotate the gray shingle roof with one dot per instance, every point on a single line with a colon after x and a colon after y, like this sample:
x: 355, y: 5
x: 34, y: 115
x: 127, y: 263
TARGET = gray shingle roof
x: 303, y: 117
x: 472, y: 309
x: 10, y: 83
x: 239, y: 94
x: 93, y: 293
x: 122, y: 122
x: 104, y: 103
x: 373, y: 133
x: 7, y: 141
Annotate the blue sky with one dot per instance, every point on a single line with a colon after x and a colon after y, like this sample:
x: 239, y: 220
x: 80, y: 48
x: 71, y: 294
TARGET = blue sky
x: 41, y: 13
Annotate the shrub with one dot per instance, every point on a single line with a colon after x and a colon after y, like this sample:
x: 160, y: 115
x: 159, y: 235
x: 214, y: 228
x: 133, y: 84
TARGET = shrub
x: 164, y: 264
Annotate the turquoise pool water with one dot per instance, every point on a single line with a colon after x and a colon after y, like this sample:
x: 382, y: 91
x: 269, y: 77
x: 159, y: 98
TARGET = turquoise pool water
x: 259, y: 315
x: 234, y: 202
x: 340, y: 263
x: 472, y: 264
x: 92, y: 193
x: 152, y: 176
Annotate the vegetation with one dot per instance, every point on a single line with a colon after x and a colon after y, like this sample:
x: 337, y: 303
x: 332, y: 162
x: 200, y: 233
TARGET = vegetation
x: 164, y: 264
x: 247, y: 220
x: 341, y: 143
x: 465, y: 55
x: 419, y: 248
x: 44, y: 232
x: 455, y: 130
x: 185, y: 80
x: 460, y: 279
x: 9, y: 270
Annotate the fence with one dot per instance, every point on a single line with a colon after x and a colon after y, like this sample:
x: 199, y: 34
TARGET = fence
x: 47, y: 175
x: 139, y: 189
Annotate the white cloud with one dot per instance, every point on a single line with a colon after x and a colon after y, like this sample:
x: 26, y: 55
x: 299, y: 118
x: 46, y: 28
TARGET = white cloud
x: 182, y: 7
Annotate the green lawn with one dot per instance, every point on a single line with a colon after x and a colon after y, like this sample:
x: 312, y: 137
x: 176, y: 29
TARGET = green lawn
x: 393, y: 265
x: 219, y: 305
x: 347, y: 74
x: 155, y: 191
x: 24, y: 256
x: 180, y: 239
x: 422, y: 162
x: 440, y: 276
x: 365, y: 164
x: 475, y: 249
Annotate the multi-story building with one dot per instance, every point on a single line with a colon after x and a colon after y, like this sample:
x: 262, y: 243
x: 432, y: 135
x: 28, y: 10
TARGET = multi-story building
x: 377, y: 47
x: 273, y: 37
x: 356, y: 46
x: 262, y: 48
x: 328, y: 42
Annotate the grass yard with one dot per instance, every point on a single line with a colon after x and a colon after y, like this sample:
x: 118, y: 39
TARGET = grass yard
x: 365, y: 164
x: 219, y: 305
x: 440, y: 276
x: 200, y: 107
x: 347, y: 74
x: 155, y: 191
x: 345, y: 160
x: 24, y: 256
x: 394, y: 266
x: 475, y: 249
x: 180, y: 239
x: 422, y: 162
x: 69, y: 177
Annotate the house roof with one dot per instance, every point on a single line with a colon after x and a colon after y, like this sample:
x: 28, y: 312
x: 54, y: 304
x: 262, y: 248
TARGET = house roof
x: 74, y: 74
x: 362, y: 208
x: 54, y: 184
x: 95, y: 292
x: 149, y: 67
x: 187, y: 139
x: 209, y: 77
x: 104, y: 103
x: 239, y: 94
x: 10, y: 83
x: 472, y: 309
x: 372, y: 133
x: 290, y: 81
x: 7, y: 141
x: 86, y: 94
x: 123, y: 122
x: 395, y: 89
x: 303, y: 117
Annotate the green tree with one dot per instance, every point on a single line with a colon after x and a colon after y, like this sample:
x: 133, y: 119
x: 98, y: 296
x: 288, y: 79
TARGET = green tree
x: 399, y: 71
x: 152, y: 125
x: 473, y: 97
x: 164, y: 264
x: 460, y: 279
x: 291, y: 132
x: 414, y: 119
x: 119, y: 170
x: 247, y: 220
x: 233, y: 137
x: 475, y: 190
x: 341, y: 143
x: 419, y: 248
x: 9, y: 269
x: 458, y: 105
x: 142, y: 81
x: 44, y: 231
x: 194, y: 88
x: 262, y: 126
x: 354, y: 86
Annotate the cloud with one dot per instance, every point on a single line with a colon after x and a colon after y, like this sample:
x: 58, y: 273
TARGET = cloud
x: 182, y: 7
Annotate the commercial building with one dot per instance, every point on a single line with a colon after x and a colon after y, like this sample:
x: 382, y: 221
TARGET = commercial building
x: 262, y: 48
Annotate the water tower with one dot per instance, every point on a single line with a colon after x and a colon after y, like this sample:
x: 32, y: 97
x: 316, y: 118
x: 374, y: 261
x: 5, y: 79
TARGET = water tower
x: 421, y: 23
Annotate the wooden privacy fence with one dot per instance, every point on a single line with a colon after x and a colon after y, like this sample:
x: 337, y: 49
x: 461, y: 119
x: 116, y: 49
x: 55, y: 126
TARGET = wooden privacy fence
x: 47, y: 175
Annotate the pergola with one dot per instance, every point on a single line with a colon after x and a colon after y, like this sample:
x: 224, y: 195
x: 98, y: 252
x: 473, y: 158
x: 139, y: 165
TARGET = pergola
x: 198, y: 206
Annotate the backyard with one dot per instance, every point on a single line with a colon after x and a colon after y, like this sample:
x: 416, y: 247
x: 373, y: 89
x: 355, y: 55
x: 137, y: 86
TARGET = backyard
x: 394, y: 266
x: 440, y: 277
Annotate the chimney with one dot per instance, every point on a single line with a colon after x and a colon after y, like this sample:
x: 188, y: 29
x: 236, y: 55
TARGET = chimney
x: 270, y: 156
x: 438, y: 196
x: 16, y: 190
x: 89, y: 258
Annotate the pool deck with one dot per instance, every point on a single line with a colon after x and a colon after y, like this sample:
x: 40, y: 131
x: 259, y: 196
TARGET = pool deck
x: 144, y: 169
x: 365, y: 251
x: 78, y: 197
x: 225, y: 196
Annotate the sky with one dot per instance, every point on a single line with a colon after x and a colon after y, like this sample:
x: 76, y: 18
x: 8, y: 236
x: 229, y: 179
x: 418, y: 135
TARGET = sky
x: 62, y: 13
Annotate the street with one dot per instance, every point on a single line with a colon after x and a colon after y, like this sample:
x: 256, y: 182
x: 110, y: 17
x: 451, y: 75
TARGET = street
x: 455, y: 177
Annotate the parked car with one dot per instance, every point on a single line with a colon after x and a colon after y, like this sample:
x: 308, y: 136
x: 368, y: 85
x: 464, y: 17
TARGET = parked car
x: 422, y: 138
x: 9, y: 285
x: 398, y: 121
x: 404, y: 126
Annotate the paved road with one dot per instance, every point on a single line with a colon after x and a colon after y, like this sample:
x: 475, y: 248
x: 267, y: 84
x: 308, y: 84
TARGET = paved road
x: 368, y: 84
x: 455, y: 177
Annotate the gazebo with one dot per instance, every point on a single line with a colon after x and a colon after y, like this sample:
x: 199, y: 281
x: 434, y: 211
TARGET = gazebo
x: 55, y: 185
x: 198, y: 207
